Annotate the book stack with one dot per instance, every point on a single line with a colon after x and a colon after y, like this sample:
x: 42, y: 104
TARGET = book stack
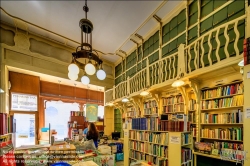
x: 192, y: 117
x: 224, y: 134
x: 223, y: 103
x: 3, y: 123
x: 76, y: 113
x: 131, y: 114
x: 186, y: 138
x: 246, y: 51
x: 168, y: 104
x: 150, y: 107
x: 223, y: 91
x: 193, y: 129
x: 152, y: 123
x: 192, y: 104
x: 222, y: 118
x: 175, y: 125
x: 186, y: 157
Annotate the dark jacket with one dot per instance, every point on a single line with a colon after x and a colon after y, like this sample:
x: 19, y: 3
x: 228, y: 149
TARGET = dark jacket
x: 94, y: 138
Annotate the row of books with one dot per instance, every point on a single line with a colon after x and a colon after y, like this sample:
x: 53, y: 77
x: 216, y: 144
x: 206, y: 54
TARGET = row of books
x: 158, y: 138
x: 175, y: 125
x: 222, y: 118
x: 7, y: 124
x: 186, y: 156
x: 147, y: 157
x: 151, y: 123
x: 76, y: 113
x: 186, y: 138
x: 192, y: 104
x: 172, y: 100
x: 131, y: 114
x: 150, y: 104
x: 150, y: 111
x: 194, y: 132
x: 224, y: 102
x: 149, y: 148
x: 226, y: 134
x: 222, y: 91
x: 221, y: 148
x: 173, y: 108
x: 131, y: 109
x: 192, y: 117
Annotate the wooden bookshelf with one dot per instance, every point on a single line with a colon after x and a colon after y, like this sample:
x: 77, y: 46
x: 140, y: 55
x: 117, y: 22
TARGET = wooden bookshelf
x: 173, y: 104
x: 150, y: 107
x: 221, y: 117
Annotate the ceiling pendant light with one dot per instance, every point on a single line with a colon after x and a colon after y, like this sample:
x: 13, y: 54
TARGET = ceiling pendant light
x: 125, y: 99
x: 85, y: 80
x: 90, y: 68
x: 85, y: 53
x: 144, y: 93
x: 72, y: 76
x: 73, y: 68
x: 1, y: 90
x: 241, y: 63
x: 178, y: 83
x: 100, y: 74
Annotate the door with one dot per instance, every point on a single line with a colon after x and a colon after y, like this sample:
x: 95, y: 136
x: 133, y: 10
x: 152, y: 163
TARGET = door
x: 25, y: 129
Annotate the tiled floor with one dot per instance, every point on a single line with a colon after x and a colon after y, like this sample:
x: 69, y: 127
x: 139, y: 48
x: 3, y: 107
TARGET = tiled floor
x: 120, y: 163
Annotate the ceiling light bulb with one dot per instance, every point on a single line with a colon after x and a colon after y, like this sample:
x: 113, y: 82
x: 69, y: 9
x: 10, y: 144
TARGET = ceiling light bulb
x: 101, y: 75
x: 144, y: 93
x: 1, y: 91
x: 90, y: 69
x: 73, y: 68
x: 124, y: 100
x: 178, y: 83
x: 241, y: 63
x: 72, y: 76
x: 85, y: 80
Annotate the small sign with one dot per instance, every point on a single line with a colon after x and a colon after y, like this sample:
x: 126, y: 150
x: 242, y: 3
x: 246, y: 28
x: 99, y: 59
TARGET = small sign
x: 23, y: 102
x: 215, y: 152
x: 125, y: 133
x: 247, y: 113
x: 175, y: 140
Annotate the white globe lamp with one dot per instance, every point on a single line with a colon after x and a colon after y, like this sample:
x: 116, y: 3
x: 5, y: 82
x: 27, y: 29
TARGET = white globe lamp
x: 90, y: 69
x: 85, y: 80
x: 73, y: 68
x: 101, y: 75
x: 72, y: 76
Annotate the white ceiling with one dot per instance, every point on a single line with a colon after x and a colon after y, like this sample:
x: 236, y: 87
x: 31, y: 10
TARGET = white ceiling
x: 114, y: 21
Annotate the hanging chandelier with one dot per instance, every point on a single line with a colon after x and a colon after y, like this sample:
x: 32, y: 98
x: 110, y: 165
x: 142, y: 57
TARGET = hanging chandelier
x: 85, y: 57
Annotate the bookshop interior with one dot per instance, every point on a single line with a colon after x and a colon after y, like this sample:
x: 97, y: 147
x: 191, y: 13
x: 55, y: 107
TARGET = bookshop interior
x: 125, y: 83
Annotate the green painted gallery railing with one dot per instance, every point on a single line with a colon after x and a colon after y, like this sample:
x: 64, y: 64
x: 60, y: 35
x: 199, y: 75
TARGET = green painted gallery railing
x: 223, y: 42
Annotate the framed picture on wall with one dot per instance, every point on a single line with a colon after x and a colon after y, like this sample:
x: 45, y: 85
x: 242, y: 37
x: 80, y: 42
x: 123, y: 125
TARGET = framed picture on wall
x: 23, y: 102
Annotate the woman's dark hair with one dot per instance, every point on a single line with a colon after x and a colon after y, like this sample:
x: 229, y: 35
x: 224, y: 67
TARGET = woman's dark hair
x: 92, y: 130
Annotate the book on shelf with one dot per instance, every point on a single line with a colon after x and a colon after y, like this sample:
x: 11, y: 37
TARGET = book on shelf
x: 220, y: 149
x: 223, y: 102
x: 131, y: 114
x: 150, y: 107
x: 192, y: 117
x: 178, y: 99
x: 193, y: 130
x: 223, y: 91
x: 151, y: 123
x: 186, y: 138
x: 222, y: 118
x: 149, y: 136
x: 186, y: 157
x: 234, y: 134
x: 192, y: 105
x: 175, y: 125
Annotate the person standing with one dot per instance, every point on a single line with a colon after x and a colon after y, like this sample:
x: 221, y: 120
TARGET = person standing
x: 93, y: 134
x: 85, y: 131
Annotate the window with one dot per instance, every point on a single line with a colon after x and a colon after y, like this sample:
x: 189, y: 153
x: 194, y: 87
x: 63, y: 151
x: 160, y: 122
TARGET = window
x: 58, y: 114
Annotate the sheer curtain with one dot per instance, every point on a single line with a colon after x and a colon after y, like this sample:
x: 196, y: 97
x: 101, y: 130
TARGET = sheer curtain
x: 58, y: 114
